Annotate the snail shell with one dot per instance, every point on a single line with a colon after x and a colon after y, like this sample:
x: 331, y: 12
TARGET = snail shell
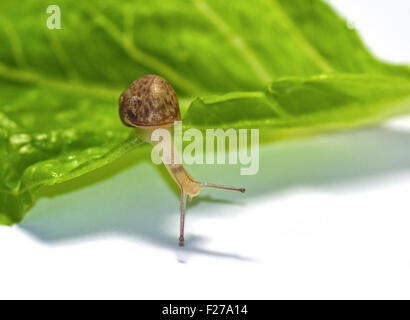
x: 150, y: 101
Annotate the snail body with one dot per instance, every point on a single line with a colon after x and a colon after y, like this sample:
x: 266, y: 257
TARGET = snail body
x: 149, y: 103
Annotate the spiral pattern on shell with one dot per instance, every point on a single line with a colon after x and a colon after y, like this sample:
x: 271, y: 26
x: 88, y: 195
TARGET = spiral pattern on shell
x: 150, y: 101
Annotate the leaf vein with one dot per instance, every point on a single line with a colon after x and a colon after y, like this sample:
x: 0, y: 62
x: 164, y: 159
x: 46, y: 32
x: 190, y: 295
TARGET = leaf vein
x: 237, y: 42
x: 15, y: 43
x: 139, y: 56
x: 39, y: 79
x: 310, y: 50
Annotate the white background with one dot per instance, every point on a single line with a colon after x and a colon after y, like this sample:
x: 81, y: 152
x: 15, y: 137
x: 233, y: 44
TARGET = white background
x: 327, y: 217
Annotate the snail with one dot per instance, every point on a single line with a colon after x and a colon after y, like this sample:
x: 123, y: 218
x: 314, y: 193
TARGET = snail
x: 150, y: 103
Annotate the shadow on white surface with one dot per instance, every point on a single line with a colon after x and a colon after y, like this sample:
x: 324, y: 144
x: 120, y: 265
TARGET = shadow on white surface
x: 136, y: 202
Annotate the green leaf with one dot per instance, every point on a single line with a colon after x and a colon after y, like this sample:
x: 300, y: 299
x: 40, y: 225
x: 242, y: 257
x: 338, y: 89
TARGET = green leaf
x: 287, y: 67
x: 305, y: 105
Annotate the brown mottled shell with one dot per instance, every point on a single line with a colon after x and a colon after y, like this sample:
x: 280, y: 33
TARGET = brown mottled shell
x: 150, y: 101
